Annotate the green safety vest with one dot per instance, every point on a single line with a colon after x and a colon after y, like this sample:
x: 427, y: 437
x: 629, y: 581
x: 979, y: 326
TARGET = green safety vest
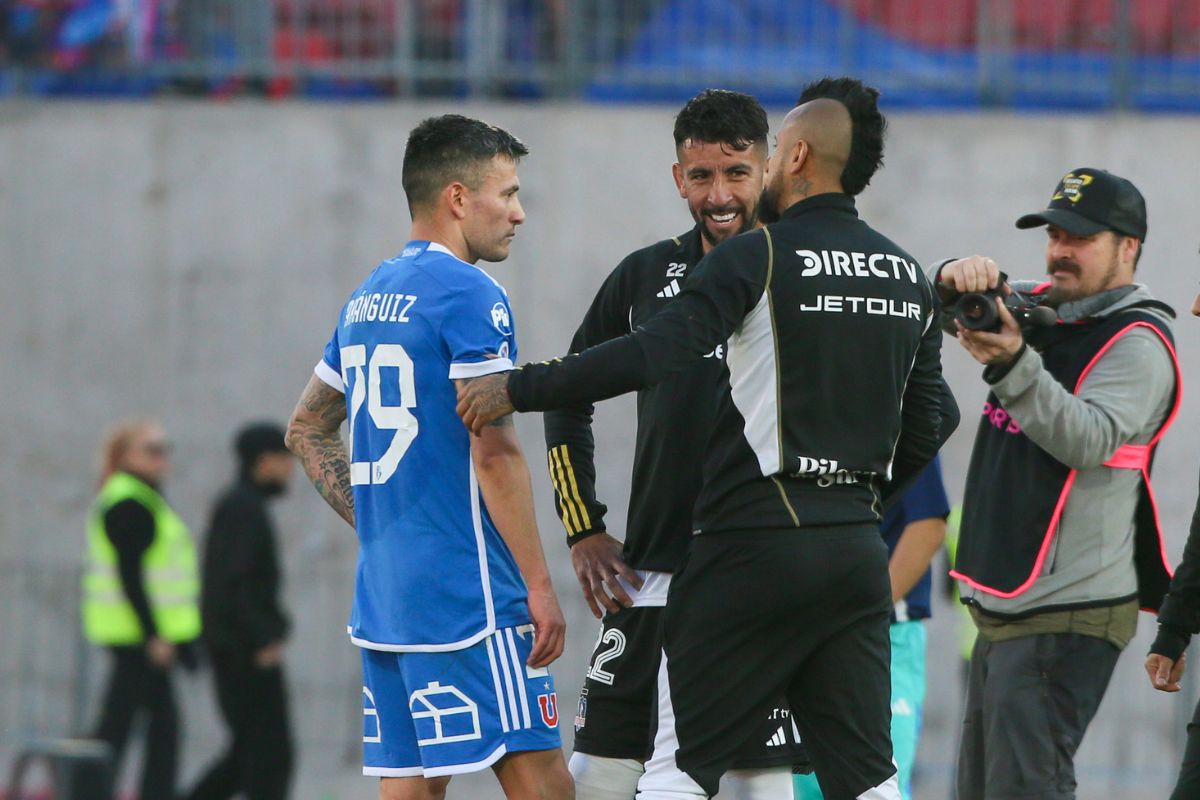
x: 168, y: 568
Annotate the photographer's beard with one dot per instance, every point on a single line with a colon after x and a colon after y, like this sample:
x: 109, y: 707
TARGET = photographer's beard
x: 1081, y: 286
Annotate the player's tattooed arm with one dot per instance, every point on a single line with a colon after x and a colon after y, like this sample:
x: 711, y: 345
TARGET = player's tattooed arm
x: 484, y: 401
x: 314, y: 435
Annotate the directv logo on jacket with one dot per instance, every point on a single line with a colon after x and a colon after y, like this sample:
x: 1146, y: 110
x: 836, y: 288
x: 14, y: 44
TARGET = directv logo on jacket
x: 433, y: 573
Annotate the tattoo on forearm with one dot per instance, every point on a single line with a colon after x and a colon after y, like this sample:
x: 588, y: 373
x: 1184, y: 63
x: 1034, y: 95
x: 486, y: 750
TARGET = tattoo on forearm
x: 489, y: 395
x: 325, y: 462
x: 315, y: 438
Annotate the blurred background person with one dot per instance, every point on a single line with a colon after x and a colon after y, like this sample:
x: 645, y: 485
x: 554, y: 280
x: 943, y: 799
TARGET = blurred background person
x: 245, y: 626
x: 1177, y: 622
x: 139, y: 598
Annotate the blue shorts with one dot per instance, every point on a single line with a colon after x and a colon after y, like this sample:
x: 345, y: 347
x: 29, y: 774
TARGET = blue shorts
x: 431, y: 714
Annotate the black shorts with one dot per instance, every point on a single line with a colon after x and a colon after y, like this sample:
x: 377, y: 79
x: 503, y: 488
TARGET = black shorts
x: 617, y: 712
x: 752, y: 615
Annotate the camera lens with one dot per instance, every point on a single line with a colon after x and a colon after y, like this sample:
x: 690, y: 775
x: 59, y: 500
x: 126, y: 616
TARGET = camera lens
x: 977, y: 312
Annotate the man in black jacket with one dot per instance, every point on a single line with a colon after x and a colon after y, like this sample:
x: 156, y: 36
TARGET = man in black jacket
x: 835, y: 396
x: 1178, y: 620
x: 721, y: 144
x: 245, y: 627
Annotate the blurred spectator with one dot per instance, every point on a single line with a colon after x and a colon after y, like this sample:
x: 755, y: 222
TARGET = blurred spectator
x: 245, y: 626
x: 521, y: 48
x: 139, y: 598
x: 230, y: 38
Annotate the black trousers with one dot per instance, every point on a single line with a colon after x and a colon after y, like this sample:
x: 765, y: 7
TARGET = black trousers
x: 135, y: 688
x: 1188, y: 786
x: 752, y: 615
x: 1029, y: 702
x: 258, y: 762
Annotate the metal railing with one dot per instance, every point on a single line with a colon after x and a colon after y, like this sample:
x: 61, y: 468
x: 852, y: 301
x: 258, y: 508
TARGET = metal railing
x: 1078, y: 53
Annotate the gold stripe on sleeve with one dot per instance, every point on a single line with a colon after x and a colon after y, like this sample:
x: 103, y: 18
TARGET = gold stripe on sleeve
x: 570, y: 516
x: 583, y: 512
x: 563, y: 514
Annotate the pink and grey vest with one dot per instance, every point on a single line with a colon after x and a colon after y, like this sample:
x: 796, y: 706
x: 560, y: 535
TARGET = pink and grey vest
x: 1016, y: 491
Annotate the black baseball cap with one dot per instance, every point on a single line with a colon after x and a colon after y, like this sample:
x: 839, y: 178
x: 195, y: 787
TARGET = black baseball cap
x: 1088, y: 201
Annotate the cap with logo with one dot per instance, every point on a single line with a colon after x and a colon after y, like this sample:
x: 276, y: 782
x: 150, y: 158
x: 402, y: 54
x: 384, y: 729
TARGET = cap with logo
x: 1088, y: 201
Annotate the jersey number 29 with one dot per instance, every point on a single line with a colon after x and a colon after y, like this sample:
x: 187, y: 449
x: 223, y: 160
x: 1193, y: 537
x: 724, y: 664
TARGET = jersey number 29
x: 399, y: 419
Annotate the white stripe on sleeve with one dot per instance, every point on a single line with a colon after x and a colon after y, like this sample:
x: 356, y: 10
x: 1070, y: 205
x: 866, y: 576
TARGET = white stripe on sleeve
x: 476, y: 368
x: 329, y: 376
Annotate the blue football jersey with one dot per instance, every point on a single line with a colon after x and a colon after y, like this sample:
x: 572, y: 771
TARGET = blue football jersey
x: 433, y: 572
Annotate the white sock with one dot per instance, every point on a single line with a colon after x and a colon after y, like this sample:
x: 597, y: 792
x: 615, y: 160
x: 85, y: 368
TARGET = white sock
x: 598, y: 778
x: 772, y: 783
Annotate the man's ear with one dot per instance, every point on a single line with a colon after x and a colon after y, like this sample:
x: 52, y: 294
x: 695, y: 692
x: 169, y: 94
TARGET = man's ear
x: 799, y: 157
x: 455, y: 196
x: 1131, y: 245
x: 677, y: 173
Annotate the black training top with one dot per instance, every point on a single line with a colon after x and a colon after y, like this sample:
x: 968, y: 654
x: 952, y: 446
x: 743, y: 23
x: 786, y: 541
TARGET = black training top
x: 1179, y: 616
x: 239, y: 597
x: 674, y: 416
x: 833, y: 342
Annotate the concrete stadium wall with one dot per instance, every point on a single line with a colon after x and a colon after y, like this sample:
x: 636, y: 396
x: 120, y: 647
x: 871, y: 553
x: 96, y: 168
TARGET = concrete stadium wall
x: 188, y: 261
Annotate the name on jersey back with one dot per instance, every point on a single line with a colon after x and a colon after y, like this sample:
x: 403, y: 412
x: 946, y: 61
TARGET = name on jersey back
x: 379, y: 307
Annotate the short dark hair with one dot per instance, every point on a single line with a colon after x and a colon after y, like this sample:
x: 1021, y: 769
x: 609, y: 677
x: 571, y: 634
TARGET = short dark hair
x: 867, y: 127
x: 721, y: 116
x: 452, y: 148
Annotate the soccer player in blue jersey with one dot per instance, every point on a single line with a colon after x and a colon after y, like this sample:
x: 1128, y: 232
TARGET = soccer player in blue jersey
x: 453, y: 606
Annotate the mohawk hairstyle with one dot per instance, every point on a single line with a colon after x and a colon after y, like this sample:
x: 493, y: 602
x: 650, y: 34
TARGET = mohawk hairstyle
x: 868, y: 127
x: 721, y: 116
x: 451, y: 148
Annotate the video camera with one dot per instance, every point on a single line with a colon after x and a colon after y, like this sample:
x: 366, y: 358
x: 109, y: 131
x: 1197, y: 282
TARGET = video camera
x: 977, y: 310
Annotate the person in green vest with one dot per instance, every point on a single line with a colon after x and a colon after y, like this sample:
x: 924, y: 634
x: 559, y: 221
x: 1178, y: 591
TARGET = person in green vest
x: 140, y: 598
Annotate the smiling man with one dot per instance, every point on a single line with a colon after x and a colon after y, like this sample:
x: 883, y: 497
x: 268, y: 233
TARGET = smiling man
x: 721, y: 150
x: 823, y: 417
x: 1059, y: 541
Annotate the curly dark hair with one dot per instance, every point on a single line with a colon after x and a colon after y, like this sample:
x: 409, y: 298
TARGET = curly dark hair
x: 721, y: 116
x: 452, y: 148
x: 867, y: 125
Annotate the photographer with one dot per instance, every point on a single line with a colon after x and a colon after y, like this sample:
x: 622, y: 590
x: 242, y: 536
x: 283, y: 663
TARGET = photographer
x: 1060, y: 543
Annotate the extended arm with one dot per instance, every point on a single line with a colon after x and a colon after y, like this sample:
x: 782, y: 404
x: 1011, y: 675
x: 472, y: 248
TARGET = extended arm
x: 504, y: 480
x: 314, y: 435
x: 725, y: 286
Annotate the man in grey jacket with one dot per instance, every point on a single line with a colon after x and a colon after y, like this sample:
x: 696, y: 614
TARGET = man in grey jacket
x: 1059, y: 542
